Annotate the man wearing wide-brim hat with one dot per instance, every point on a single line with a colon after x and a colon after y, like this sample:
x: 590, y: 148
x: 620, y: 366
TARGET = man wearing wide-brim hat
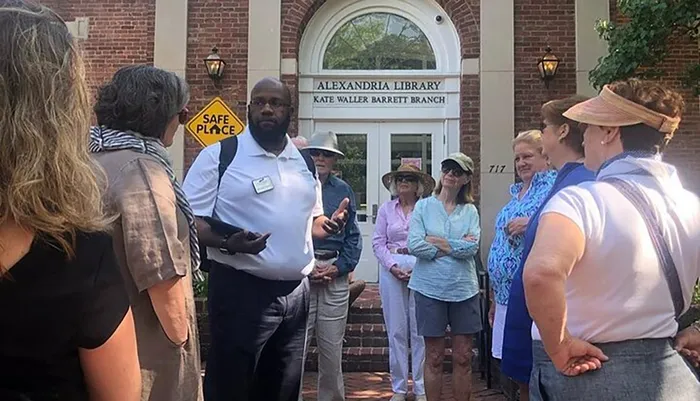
x: 336, y: 257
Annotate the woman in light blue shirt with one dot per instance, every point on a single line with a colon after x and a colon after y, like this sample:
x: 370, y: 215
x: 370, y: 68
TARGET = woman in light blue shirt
x: 444, y: 236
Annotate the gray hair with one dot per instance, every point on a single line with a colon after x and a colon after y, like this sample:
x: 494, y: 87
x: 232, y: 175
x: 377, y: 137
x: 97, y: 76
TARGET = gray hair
x: 141, y: 98
x: 394, y: 192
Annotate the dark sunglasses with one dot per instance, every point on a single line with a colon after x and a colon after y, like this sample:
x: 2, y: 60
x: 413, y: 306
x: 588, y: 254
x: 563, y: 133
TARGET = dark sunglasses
x: 456, y: 171
x: 406, y: 178
x: 319, y: 152
x: 183, y: 116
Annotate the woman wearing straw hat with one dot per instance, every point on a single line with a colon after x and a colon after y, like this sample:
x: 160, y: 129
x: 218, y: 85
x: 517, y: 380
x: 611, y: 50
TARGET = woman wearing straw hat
x: 615, y: 260
x: 407, y: 184
x: 444, y: 236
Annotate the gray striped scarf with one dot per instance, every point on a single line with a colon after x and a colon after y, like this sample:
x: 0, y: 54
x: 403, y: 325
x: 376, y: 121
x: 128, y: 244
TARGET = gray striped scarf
x: 103, y: 139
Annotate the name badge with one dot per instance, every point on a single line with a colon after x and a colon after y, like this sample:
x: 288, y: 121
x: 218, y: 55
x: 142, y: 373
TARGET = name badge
x: 262, y: 184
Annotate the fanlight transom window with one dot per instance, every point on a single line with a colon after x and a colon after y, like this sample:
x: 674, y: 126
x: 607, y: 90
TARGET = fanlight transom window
x: 379, y: 41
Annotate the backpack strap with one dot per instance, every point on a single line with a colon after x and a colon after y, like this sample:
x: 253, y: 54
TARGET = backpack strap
x: 309, y: 161
x: 229, y: 147
x: 668, y: 266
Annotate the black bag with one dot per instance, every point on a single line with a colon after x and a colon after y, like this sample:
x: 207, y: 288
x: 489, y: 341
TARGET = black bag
x: 229, y: 147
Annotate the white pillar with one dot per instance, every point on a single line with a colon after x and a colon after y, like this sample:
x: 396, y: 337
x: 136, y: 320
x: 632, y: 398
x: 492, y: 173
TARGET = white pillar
x: 497, y: 110
x: 170, y: 53
x: 264, y: 40
x: 589, y: 46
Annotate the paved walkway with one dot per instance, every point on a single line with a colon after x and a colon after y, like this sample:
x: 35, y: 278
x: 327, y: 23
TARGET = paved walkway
x: 376, y: 386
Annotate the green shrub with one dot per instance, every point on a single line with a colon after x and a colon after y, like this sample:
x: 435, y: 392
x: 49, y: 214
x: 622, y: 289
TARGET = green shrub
x: 200, y: 289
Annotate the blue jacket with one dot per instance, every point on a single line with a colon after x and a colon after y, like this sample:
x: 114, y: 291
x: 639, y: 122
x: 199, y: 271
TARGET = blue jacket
x: 517, y: 337
x: 348, y: 243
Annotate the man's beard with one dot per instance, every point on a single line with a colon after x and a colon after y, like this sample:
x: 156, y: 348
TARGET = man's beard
x: 269, y: 135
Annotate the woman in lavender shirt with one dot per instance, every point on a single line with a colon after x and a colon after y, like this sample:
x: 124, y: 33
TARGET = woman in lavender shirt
x: 407, y: 184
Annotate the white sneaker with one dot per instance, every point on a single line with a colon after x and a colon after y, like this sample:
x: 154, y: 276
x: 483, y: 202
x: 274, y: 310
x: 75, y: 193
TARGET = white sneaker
x: 421, y: 398
x: 398, y: 397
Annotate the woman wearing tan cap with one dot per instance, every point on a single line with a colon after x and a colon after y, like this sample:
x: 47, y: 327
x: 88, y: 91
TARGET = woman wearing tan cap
x: 615, y: 260
x: 408, y: 184
x: 444, y: 236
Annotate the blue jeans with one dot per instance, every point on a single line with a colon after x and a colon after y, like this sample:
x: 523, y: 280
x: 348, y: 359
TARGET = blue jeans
x: 258, y: 329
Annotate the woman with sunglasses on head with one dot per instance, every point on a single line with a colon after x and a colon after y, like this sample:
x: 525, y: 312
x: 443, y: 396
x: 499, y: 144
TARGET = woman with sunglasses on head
x: 562, y: 145
x: 407, y: 184
x: 139, y: 112
x: 444, y: 236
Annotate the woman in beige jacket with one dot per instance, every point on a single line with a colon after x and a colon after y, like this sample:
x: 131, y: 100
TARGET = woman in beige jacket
x: 155, y: 240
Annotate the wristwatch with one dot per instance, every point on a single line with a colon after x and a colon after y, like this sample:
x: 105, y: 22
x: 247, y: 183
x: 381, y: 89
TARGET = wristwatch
x: 222, y: 245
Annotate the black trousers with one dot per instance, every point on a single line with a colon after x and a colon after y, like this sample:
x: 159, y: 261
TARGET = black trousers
x: 258, y: 332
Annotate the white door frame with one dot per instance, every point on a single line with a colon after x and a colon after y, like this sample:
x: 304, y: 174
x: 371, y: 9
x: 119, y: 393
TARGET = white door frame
x: 443, y: 38
x: 379, y: 136
x: 442, y: 120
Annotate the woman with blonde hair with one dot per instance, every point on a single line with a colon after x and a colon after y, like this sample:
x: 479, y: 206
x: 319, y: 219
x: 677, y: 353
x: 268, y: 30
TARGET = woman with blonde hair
x: 138, y: 114
x: 444, y: 237
x: 507, y: 246
x: 615, y: 260
x: 68, y: 333
x: 407, y: 184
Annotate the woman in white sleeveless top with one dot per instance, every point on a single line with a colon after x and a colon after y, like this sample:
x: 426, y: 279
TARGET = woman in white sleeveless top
x: 603, y: 289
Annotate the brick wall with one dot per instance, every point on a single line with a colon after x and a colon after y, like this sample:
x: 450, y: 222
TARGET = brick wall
x: 538, y: 24
x: 684, y: 149
x: 223, y: 24
x: 121, y: 33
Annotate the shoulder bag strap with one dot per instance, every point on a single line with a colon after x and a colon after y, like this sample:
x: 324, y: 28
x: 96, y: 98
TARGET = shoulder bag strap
x: 637, y: 198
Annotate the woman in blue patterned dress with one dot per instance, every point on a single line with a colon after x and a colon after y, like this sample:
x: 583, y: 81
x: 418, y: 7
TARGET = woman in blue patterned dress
x: 507, y: 246
x: 562, y: 142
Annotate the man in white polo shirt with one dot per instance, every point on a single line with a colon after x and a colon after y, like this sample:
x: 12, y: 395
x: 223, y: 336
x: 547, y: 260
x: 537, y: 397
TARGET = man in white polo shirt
x: 258, y: 290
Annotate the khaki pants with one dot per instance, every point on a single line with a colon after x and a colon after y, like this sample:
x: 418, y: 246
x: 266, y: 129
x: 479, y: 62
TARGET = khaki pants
x: 328, y: 313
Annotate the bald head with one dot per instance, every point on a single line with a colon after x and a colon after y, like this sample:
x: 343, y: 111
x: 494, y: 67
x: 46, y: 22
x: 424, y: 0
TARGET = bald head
x: 272, y: 84
x: 270, y: 110
x: 300, y: 142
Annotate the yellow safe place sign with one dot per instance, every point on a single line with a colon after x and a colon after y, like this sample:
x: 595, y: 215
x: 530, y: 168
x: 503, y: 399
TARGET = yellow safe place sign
x: 214, y: 122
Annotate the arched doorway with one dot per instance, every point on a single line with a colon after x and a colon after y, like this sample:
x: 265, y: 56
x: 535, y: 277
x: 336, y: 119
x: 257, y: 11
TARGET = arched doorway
x: 384, y: 75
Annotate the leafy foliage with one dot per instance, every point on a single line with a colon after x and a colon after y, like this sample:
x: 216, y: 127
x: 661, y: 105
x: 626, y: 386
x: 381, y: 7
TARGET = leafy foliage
x: 638, y: 46
x: 379, y: 41
x: 200, y: 289
x: 353, y: 167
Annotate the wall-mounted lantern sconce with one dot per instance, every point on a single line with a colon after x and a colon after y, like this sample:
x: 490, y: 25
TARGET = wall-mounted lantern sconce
x: 215, y: 64
x: 548, y: 65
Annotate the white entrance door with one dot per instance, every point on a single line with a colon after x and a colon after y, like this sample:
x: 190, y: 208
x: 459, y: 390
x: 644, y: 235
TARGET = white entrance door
x: 373, y: 149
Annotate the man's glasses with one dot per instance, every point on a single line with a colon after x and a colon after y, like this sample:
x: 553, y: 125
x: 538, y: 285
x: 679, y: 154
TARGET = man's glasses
x: 183, y: 116
x: 319, y: 152
x: 406, y: 178
x: 456, y: 171
x: 275, y: 104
